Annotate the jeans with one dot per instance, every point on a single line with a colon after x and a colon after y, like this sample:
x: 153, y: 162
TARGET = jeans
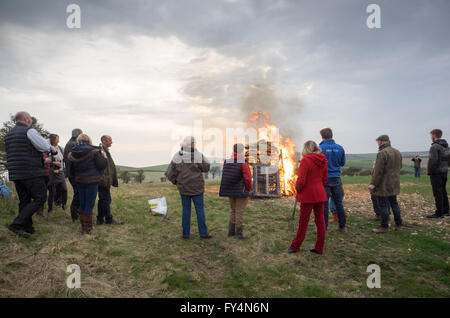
x: 375, y: 204
x: 333, y: 187
x: 104, y: 206
x: 32, y: 195
x: 199, y: 209
x: 438, y: 184
x: 417, y: 172
x: 75, y: 205
x: 88, y: 195
x: 384, y: 204
x: 305, y: 213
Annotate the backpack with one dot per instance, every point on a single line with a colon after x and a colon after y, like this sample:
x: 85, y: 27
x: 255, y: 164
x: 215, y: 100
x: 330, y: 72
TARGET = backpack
x: 4, y: 190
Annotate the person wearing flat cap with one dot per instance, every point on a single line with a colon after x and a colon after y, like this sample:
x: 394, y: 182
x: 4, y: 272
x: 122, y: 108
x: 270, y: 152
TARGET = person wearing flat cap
x: 385, y: 183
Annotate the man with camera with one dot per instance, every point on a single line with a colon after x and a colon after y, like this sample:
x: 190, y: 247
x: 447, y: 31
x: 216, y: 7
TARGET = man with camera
x: 26, y: 168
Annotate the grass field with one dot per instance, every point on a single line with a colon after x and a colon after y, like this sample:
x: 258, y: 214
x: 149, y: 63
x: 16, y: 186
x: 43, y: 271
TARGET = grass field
x: 145, y: 257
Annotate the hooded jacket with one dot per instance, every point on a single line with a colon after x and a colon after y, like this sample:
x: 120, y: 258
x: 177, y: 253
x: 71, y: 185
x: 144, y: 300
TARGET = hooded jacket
x: 87, y: 163
x: 335, y: 155
x: 312, y: 175
x: 186, y: 171
x: 438, y: 157
x: 386, y: 175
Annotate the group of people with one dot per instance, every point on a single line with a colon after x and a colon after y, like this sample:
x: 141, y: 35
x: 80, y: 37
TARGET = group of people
x: 37, y: 164
x: 318, y: 185
x: 34, y: 164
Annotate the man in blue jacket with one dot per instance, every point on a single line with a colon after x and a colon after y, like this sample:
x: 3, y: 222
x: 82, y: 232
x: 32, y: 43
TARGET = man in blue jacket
x: 336, y: 159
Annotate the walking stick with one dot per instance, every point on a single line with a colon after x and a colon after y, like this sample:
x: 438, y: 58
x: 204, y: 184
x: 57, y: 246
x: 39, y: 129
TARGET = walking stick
x: 291, y: 220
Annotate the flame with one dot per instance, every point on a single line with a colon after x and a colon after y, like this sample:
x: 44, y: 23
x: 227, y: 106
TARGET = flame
x: 287, y: 155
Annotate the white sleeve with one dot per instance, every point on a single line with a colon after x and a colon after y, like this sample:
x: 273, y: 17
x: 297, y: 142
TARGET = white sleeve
x: 38, y: 142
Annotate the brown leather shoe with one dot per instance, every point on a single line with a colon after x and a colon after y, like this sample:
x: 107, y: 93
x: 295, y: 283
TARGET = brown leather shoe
x: 398, y: 227
x: 207, y: 236
x: 381, y: 230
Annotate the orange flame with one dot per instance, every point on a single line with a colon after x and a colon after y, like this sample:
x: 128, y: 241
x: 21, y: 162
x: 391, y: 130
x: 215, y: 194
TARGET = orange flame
x: 287, y: 155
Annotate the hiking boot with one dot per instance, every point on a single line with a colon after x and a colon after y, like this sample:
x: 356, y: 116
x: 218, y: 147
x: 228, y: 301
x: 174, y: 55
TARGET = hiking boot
x: 435, y: 216
x: 313, y: 250
x: 19, y: 232
x: 207, y: 236
x: 40, y: 212
x: 185, y: 237
x: 335, y: 218
x: 290, y: 251
x: 398, y: 227
x: 231, y: 229
x: 342, y: 229
x: 84, y: 220
x: 239, y: 233
x: 89, y: 222
x: 381, y: 230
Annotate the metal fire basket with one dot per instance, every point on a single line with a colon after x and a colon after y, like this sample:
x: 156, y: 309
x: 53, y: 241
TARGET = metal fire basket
x: 266, y: 181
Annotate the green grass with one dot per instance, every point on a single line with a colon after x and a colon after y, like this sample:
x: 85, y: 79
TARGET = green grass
x: 145, y: 257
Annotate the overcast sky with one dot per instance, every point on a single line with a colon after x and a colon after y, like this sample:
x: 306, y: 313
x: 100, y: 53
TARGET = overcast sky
x: 141, y: 70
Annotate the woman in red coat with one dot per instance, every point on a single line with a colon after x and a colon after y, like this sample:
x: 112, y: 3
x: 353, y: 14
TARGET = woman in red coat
x: 312, y: 175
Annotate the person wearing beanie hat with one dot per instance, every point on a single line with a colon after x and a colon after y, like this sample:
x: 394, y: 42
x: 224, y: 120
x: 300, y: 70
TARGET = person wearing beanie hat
x: 385, y: 183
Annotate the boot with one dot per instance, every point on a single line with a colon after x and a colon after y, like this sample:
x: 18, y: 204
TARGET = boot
x: 84, y: 220
x: 40, y: 212
x: 335, y: 218
x: 239, y: 233
x: 381, y: 230
x: 231, y: 229
x: 89, y: 223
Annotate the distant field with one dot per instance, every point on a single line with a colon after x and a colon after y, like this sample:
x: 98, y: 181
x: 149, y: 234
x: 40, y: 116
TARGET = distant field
x: 152, y: 173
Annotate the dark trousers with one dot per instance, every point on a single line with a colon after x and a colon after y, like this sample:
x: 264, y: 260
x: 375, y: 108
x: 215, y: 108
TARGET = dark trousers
x: 439, y: 184
x: 384, y: 204
x: 57, y: 193
x: 32, y: 195
x: 75, y: 205
x: 375, y: 204
x: 417, y: 172
x: 104, y: 206
x: 333, y: 187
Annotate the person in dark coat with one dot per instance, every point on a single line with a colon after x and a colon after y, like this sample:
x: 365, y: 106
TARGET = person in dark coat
x: 104, y: 188
x: 438, y: 160
x: 87, y: 165
x: 236, y: 184
x: 26, y: 168
x: 75, y: 204
x: 312, y: 176
x: 186, y: 172
x: 385, y: 183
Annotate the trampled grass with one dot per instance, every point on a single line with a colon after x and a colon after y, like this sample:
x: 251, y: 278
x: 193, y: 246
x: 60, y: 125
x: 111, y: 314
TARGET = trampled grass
x: 145, y: 257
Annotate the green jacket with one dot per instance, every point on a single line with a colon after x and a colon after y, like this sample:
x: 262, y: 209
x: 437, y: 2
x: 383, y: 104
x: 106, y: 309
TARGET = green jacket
x: 110, y: 172
x: 386, y: 175
x: 186, y: 173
